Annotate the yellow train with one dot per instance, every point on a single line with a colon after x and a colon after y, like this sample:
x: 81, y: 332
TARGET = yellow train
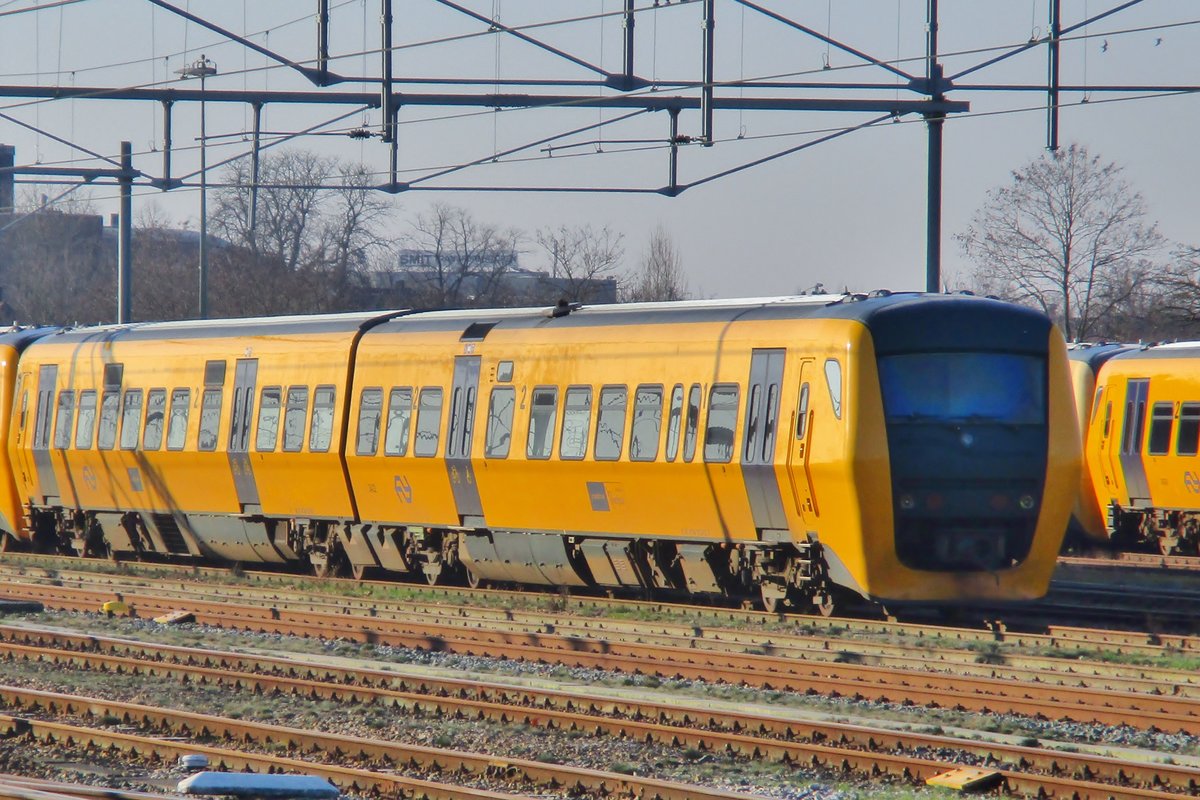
x: 902, y: 448
x: 1142, y: 441
x: 1086, y: 360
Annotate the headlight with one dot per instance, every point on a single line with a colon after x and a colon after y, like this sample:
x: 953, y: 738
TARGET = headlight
x: 907, y: 502
x: 1026, y: 502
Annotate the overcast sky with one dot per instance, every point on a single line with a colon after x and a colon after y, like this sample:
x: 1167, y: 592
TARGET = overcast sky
x: 849, y: 212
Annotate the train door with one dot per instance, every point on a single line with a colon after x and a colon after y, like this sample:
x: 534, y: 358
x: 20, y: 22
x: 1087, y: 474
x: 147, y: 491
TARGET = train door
x: 759, y: 437
x: 1132, y: 436
x: 244, y: 378
x: 800, y: 436
x: 460, y: 426
x: 47, y: 381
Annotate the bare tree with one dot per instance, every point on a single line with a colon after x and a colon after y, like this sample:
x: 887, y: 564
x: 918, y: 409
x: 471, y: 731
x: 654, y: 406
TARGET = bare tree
x: 580, y: 258
x: 660, y: 275
x: 1068, y: 235
x: 1177, y: 306
x: 457, y: 260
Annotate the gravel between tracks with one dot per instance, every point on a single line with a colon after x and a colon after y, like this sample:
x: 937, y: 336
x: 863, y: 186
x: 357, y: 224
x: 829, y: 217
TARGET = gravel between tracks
x: 715, y: 770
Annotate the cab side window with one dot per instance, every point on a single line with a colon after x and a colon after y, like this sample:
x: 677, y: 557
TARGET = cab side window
x: 833, y: 376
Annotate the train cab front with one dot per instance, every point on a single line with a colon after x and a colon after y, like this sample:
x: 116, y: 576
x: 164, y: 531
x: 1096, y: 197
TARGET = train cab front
x: 982, y: 464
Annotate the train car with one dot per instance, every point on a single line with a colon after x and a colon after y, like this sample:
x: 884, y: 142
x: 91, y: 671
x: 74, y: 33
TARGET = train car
x: 1086, y: 359
x: 1142, y: 445
x: 12, y: 343
x: 901, y: 448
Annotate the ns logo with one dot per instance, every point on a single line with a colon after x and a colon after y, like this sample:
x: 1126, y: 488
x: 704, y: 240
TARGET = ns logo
x: 1191, y: 482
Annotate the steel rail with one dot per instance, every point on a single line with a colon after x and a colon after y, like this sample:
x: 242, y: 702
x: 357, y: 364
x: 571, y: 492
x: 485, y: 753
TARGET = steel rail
x: 347, y: 778
x: 673, y: 724
x: 792, y: 673
x: 345, y: 747
x: 1057, y: 635
x: 695, y: 635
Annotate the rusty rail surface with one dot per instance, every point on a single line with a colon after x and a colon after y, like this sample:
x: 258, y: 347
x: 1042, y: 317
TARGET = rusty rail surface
x: 340, y: 748
x: 755, y: 736
x: 1056, y: 635
x: 1132, y: 781
x: 1135, y: 561
x: 792, y: 673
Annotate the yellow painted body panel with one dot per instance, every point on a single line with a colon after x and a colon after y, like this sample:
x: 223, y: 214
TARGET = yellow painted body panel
x: 1172, y: 380
x: 290, y: 484
x: 12, y: 517
x: 1087, y: 513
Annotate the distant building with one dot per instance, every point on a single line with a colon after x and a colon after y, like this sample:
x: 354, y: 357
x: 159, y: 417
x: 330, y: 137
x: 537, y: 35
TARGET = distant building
x: 492, y: 278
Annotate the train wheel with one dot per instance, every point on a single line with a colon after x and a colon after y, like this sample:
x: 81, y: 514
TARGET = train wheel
x: 825, y: 604
x: 773, y: 600
x: 473, y: 580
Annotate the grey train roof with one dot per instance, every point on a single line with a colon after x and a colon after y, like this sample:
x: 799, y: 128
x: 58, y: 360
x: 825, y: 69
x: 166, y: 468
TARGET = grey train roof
x: 899, y: 321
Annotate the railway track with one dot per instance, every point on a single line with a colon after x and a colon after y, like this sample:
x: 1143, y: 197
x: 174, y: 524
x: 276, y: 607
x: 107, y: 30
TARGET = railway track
x: 1134, y: 560
x: 763, y: 666
x: 836, y: 746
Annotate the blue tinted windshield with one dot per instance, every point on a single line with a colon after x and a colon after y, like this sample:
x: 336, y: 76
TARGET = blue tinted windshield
x: 985, y: 387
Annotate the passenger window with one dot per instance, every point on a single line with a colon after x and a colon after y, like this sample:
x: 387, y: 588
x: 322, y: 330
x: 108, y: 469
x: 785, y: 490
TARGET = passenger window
x: 647, y: 423
x: 833, y: 376
x: 610, y: 423
x: 768, y: 449
x: 322, y: 420
x: 395, y: 438
x: 722, y: 421
x: 1096, y: 404
x: 577, y: 420
x: 64, y: 418
x: 177, y: 425
x: 156, y: 409
x: 1162, y: 418
x: 674, y: 416
x: 210, y: 419
x: 1188, y: 441
x: 87, y: 420
x: 370, y: 411
x: 294, y: 417
x: 802, y: 412
x: 429, y: 421
x: 543, y: 413
x: 499, y: 426
x: 110, y: 409
x: 693, y: 423
x: 131, y: 419
x: 268, y: 419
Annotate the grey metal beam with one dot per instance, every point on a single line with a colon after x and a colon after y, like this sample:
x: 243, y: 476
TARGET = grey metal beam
x: 124, y: 238
x: 657, y: 101
x: 708, y: 71
x: 935, y: 122
x: 1052, y: 76
x: 387, y: 101
x: 322, y: 42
